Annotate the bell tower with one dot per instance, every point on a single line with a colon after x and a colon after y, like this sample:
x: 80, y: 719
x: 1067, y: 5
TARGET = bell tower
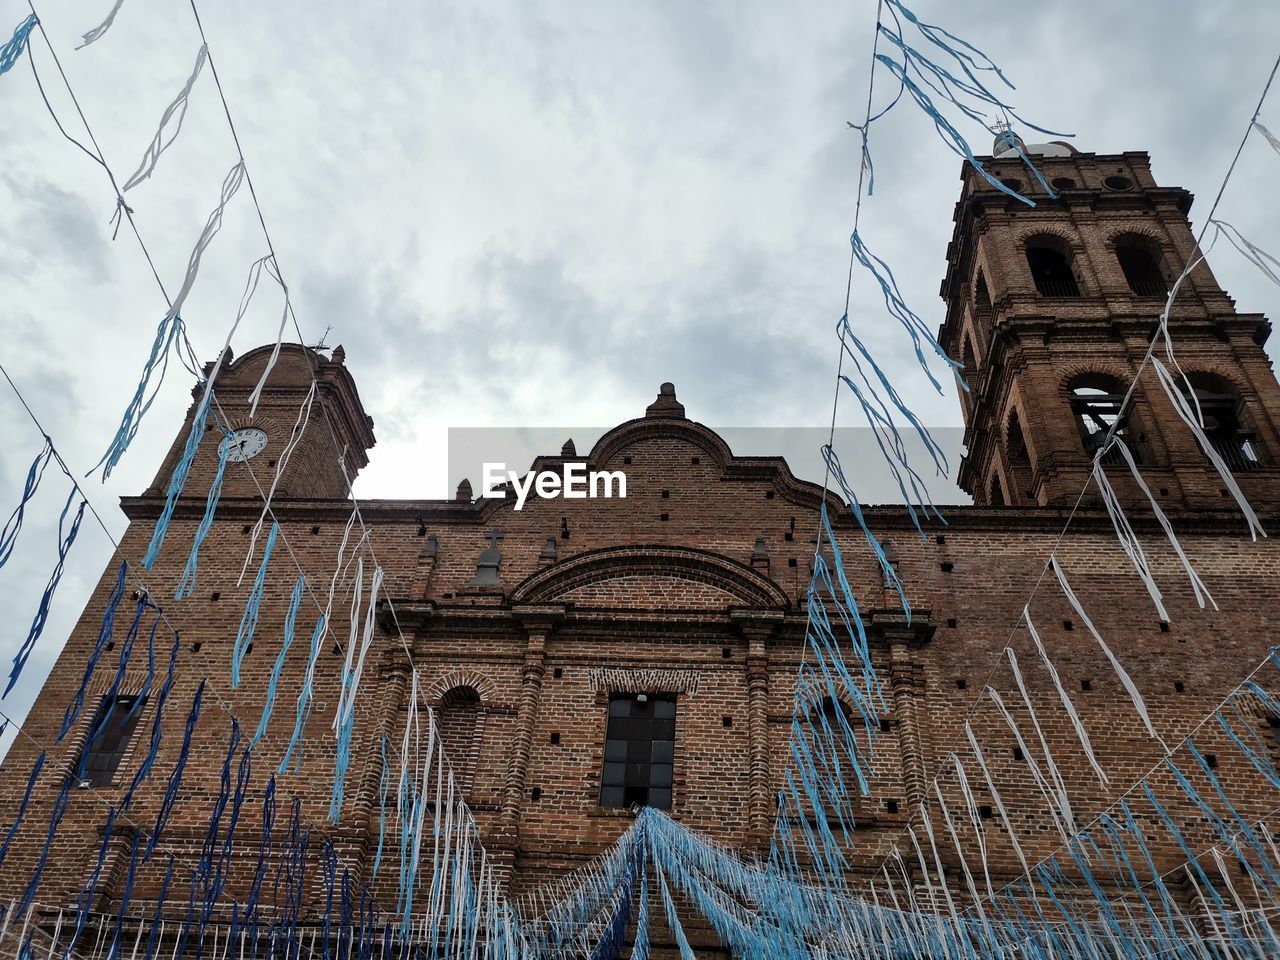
x: 335, y: 424
x: 1051, y: 309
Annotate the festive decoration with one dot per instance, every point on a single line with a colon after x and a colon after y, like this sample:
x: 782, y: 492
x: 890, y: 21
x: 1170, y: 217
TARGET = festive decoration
x: 13, y: 47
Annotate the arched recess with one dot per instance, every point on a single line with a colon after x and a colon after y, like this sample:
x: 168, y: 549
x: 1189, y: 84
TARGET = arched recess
x: 1095, y: 400
x: 1049, y: 259
x: 969, y: 370
x: 1141, y: 261
x: 461, y: 725
x: 982, y: 312
x: 735, y: 583
x: 996, y: 497
x: 1018, y: 459
x: 1227, y: 422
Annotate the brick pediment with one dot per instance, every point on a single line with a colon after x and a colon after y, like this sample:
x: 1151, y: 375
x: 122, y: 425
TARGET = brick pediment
x: 658, y: 577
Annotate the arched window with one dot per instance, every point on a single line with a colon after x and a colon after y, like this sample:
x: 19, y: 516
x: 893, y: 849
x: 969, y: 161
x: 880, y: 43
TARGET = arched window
x: 997, y: 492
x: 982, y: 303
x: 1019, y: 461
x: 1139, y: 258
x: 459, y: 734
x: 1096, y: 401
x: 1225, y: 421
x: 969, y: 372
x: 1050, y: 261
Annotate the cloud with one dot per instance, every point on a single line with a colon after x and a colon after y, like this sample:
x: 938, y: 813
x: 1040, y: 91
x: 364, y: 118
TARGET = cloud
x: 521, y: 214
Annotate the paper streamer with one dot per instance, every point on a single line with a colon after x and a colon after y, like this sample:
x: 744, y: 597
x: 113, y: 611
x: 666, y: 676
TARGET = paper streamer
x: 104, y: 636
x: 97, y: 32
x: 249, y: 619
x: 66, y: 537
x: 12, y: 526
x: 176, y: 109
x: 13, y: 47
x: 290, y: 620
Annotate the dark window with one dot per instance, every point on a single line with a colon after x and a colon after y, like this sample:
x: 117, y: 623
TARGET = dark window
x: 1096, y: 403
x: 1049, y: 260
x: 1019, y: 460
x: 1117, y: 183
x: 1063, y: 183
x: 969, y: 369
x: 639, y: 750
x: 108, y: 739
x: 1223, y: 415
x: 1141, y: 268
x: 997, y: 492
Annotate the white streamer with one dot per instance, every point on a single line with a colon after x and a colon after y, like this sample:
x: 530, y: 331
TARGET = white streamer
x: 256, y: 395
x: 1067, y: 705
x: 230, y: 184
x: 1130, y: 687
x: 1194, y: 423
x: 1264, y: 261
x: 1127, y: 538
x: 101, y: 28
x: 1197, y: 585
x: 1271, y: 139
x: 158, y: 143
x: 282, y: 461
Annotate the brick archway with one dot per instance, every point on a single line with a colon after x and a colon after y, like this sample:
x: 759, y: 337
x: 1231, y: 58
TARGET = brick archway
x: 744, y: 585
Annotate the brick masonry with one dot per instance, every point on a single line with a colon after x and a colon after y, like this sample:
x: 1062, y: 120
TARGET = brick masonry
x: 671, y: 590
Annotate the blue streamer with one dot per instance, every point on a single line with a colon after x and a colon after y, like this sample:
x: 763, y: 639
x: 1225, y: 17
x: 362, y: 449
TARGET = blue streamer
x: 22, y: 807
x: 91, y: 885
x: 384, y: 788
x: 13, y: 48
x: 304, y: 697
x: 243, y: 776
x: 290, y: 621
x: 249, y: 619
x: 175, y: 778
x: 177, y: 481
x: 104, y: 636
x: 153, y: 936
x: 59, y: 809
x: 148, y: 762
x: 264, y: 854
x: 12, y: 526
x: 187, y: 583
x: 107, y: 706
x: 113, y: 951
x: 65, y: 540
x: 166, y: 336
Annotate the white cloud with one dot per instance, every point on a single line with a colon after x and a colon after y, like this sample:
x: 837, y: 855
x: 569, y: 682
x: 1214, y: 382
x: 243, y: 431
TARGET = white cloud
x: 519, y: 213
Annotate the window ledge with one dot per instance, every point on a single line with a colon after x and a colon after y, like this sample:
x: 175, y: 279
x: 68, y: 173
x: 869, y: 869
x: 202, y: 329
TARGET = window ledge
x: 615, y: 813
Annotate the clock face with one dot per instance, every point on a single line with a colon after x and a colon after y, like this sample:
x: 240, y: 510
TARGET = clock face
x: 244, y: 444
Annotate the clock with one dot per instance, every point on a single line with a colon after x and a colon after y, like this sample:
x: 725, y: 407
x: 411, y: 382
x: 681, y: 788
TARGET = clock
x: 243, y: 444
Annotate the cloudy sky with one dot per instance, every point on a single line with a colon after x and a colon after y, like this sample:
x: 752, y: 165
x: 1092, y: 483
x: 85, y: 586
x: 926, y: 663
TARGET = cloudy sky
x: 517, y: 214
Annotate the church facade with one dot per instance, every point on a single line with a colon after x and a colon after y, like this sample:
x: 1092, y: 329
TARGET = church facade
x: 585, y: 656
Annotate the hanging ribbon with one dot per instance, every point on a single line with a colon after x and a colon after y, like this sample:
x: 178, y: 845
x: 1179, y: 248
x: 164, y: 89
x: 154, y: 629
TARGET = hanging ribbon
x: 13, y: 47
x: 9, y: 535
x: 104, y: 636
x: 101, y: 28
x: 66, y: 537
x: 177, y: 108
x: 290, y: 620
x: 175, y: 778
x: 153, y: 751
x: 249, y: 619
x: 22, y: 807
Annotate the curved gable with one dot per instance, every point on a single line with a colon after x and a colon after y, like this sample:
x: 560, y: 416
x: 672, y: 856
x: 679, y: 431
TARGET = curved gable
x: 638, y: 577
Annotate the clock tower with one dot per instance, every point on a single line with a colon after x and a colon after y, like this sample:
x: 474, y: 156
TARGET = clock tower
x: 333, y: 426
